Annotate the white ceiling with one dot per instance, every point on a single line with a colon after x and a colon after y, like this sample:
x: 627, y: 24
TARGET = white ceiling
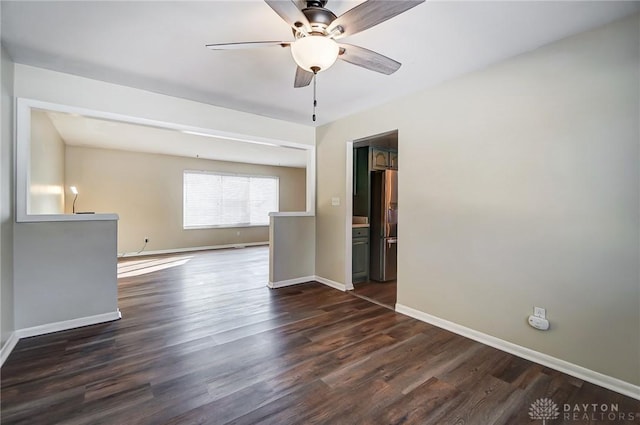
x: 78, y: 130
x: 160, y: 46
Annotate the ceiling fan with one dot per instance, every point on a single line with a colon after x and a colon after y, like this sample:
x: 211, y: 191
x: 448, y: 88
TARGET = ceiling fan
x: 316, y: 29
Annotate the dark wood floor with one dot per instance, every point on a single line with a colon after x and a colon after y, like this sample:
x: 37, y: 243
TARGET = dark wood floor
x: 202, y: 340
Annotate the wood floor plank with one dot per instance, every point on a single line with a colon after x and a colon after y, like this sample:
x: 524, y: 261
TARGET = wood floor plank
x: 204, y: 341
x: 420, y: 404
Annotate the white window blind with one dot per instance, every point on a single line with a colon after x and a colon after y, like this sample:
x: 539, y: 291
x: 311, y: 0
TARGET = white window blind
x: 223, y: 200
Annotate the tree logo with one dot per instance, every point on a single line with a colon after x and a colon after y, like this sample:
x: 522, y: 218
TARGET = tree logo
x: 545, y: 409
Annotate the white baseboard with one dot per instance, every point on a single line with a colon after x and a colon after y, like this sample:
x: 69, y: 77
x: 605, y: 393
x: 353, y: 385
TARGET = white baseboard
x: 8, y: 347
x: 305, y: 279
x: 15, y: 336
x: 68, y: 324
x: 290, y: 282
x: 336, y: 285
x: 580, y: 372
x: 299, y: 280
x: 195, y: 248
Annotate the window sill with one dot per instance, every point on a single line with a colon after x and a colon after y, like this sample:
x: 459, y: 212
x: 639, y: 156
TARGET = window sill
x: 234, y: 226
x: 292, y: 214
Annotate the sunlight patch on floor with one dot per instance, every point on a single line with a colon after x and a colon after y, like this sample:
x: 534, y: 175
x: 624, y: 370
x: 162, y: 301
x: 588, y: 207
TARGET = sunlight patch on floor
x: 140, y: 267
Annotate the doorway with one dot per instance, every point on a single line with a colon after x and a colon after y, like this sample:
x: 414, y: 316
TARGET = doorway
x: 373, y: 218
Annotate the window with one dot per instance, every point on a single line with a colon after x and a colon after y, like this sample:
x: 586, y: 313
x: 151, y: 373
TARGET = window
x: 223, y: 200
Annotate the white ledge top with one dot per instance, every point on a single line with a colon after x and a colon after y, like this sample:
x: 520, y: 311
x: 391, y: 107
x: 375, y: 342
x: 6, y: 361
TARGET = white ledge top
x: 36, y: 218
x: 292, y: 214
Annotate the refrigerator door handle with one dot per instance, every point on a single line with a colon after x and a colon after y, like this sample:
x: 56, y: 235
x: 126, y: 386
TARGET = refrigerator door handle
x: 391, y: 241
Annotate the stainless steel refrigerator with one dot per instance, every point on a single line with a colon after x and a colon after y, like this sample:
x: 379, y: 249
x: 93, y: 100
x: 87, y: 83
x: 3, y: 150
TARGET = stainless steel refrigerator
x: 384, y: 225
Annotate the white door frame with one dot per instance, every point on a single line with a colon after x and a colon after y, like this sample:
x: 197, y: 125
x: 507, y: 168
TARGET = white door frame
x: 348, y: 206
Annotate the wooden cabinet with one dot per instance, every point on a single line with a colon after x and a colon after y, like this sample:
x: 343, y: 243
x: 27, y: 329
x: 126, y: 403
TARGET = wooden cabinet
x: 379, y: 159
x: 382, y: 159
x: 365, y: 160
x: 360, y: 254
x: 393, y: 160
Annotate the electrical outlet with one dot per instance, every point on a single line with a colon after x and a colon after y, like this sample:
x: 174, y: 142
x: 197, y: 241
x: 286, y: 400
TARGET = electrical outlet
x: 540, y: 312
x: 539, y: 323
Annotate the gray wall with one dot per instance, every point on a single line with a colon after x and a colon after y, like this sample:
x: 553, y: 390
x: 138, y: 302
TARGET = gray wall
x: 518, y: 186
x: 64, y: 271
x: 6, y: 200
x: 291, y: 248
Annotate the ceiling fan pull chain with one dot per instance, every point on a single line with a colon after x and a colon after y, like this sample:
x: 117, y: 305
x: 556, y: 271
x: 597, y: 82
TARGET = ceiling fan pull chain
x: 315, y: 102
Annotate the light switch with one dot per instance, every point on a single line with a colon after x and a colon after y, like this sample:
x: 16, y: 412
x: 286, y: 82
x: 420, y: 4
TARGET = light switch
x: 335, y: 201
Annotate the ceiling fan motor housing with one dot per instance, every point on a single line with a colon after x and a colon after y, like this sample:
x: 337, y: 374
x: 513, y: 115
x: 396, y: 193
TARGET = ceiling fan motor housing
x: 319, y: 18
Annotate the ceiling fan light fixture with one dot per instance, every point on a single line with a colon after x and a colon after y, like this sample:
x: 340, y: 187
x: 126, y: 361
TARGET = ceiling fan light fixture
x: 315, y: 52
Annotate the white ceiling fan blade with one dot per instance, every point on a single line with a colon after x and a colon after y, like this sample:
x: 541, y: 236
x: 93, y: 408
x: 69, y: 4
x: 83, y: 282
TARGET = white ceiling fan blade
x: 248, y: 45
x: 288, y: 10
x: 303, y: 78
x: 368, y: 14
x: 368, y: 59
